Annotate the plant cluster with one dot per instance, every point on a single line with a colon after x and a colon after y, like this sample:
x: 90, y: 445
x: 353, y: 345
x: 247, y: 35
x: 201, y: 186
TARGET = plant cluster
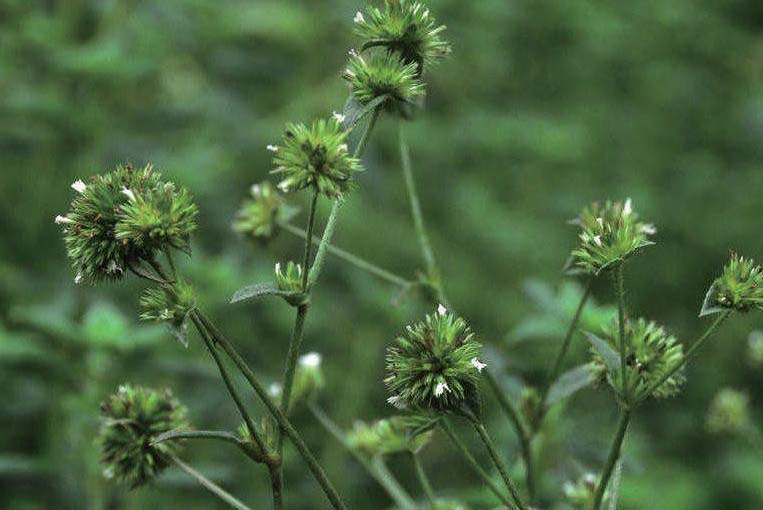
x: 130, y: 220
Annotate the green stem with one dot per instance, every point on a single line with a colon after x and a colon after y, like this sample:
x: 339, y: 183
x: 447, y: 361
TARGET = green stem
x: 344, y: 255
x: 308, y: 244
x: 324, y: 242
x: 423, y: 480
x: 523, y: 432
x: 433, y: 272
x: 502, y: 469
x: 377, y: 470
x: 283, y: 421
x: 557, y: 368
x: 210, y: 485
x: 218, y: 435
x: 689, y: 353
x: 461, y: 447
x: 620, y: 291
x: 612, y: 458
x: 292, y: 357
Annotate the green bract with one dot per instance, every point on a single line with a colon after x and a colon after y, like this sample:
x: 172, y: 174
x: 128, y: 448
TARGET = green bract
x: 740, y: 287
x: 729, y: 412
x: 316, y: 157
x: 161, y: 305
x: 404, y: 27
x: 610, y: 233
x: 130, y: 420
x: 435, y: 365
x: 290, y: 279
x: 260, y: 217
x: 652, y: 353
x: 123, y: 217
x: 391, y: 435
x: 383, y: 75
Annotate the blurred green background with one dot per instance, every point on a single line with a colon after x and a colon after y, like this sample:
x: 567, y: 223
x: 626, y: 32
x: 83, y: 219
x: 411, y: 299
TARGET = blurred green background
x: 543, y: 107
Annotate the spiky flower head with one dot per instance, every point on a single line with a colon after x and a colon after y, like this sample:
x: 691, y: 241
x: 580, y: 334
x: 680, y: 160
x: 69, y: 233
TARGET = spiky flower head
x: 409, y: 433
x: 289, y: 278
x: 610, y: 233
x: 403, y: 27
x: 729, y: 413
x: 315, y: 156
x: 435, y: 365
x: 651, y: 354
x: 261, y: 216
x: 169, y: 307
x: 122, y: 217
x: 581, y: 493
x: 739, y: 288
x: 383, y: 74
x: 130, y: 420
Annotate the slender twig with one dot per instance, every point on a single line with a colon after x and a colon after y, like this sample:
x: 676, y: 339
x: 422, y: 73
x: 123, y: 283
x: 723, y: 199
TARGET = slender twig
x: 612, y: 458
x: 283, y: 421
x: 478, y: 469
x: 423, y: 480
x: 433, y: 273
x: 689, y: 353
x: 209, y: 485
x: 523, y: 431
x: 215, y: 435
x: 620, y: 291
x: 376, y: 469
x: 324, y: 241
x: 308, y: 244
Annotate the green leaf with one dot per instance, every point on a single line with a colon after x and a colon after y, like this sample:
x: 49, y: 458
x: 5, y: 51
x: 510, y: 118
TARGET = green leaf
x: 608, y: 354
x: 709, y: 305
x: 569, y: 383
x: 180, y: 332
x: 258, y: 290
x: 355, y: 111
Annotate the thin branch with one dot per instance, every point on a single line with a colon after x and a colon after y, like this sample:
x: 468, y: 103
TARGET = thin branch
x: 210, y: 485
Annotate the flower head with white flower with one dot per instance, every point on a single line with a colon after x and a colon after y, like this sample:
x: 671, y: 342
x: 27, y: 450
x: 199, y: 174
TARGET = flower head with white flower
x: 261, y: 216
x: 435, y: 365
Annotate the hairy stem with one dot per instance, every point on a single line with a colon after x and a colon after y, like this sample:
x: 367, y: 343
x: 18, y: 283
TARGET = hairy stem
x: 433, y: 273
x: 377, y: 470
x: 461, y: 447
x: 423, y: 480
x: 216, y: 435
x: 612, y: 458
x: 283, y: 421
x: 324, y: 242
x: 496, y: 458
x: 523, y: 431
x: 210, y: 485
x: 620, y: 291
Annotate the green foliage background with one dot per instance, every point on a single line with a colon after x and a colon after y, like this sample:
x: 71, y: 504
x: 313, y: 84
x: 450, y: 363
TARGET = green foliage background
x: 543, y: 107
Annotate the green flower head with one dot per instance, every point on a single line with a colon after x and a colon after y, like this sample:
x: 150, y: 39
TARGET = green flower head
x: 391, y: 435
x: 171, y: 308
x: 610, y: 233
x: 435, y: 365
x: 261, y: 216
x: 122, y: 217
x: 315, y: 157
x: 130, y: 420
x: 403, y: 27
x: 290, y: 278
x: 729, y: 413
x: 739, y: 288
x: 383, y: 75
x: 651, y: 353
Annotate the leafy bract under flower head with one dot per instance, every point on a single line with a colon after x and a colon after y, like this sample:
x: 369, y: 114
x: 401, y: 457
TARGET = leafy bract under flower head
x: 651, y: 354
x: 610, y: 233
x: 739, y: 288
x: 383, y: 75
x: 404, y: 27
x: 435, y: 365
x: 130, y: 420
x: 391, y: 435
x: 122, y: 217
x: 261, y: 215
x: 170, y: 307
x: 315, y: 156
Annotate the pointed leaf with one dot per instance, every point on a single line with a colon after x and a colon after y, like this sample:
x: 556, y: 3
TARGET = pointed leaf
x: 709, y: 305
x: 180, y: 333
x: 569, y: 383
x: 257, y: 290
x: 608, y: 354
x: 354, y: 111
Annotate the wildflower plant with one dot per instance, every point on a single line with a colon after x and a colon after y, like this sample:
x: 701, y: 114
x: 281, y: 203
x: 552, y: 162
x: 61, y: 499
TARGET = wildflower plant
x: 132, y: 221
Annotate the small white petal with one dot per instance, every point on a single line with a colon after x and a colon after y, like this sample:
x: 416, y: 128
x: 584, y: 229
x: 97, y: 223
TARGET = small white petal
x: 353, y: 52
x: 344, y: 147
x: 274, y: 390
x: 113, y: 268
x: 648, y: 229
x: 278, y: 268
x: 78, y: 278
x: 441, y: 310
x: 311, y: 359
x: 628, y: 207
x: 426, y: 13
x: 63, y: 220
x: 359, y: 18
x: 597, y: 240
x: 338, y: 117
x: 441, y: 388
x: 480, y: 366
x: 129, y: 194
x: 272, y: 148
x: 283, y: 186
x: 79, y: 186
x: 256, y: 190
x: 600, y: 221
